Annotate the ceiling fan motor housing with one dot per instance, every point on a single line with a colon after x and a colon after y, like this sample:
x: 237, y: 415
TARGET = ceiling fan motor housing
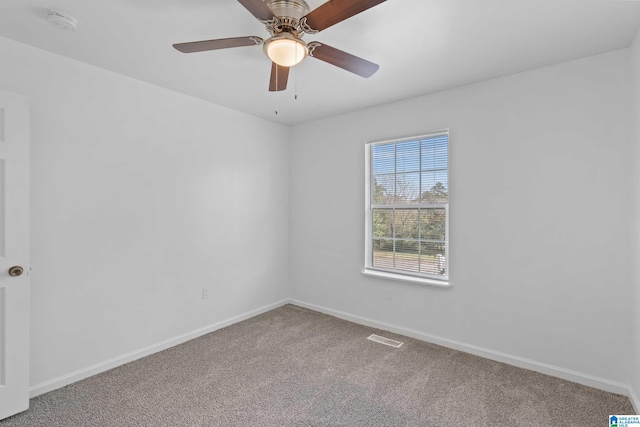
x: 294, y: 9
x: 288, y: 14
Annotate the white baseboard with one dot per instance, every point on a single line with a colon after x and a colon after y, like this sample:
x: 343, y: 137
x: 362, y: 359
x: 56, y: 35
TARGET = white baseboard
x: 567, y: 374
x: 81, y: 374
x: 633, y: 397
x: 544, y: 368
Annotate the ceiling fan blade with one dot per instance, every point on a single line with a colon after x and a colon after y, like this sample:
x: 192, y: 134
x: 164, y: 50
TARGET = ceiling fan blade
x: 279, y: 77
x: 205, y: 45
x: 258, y: 8
x: 342, y: 59
x: 335, y: 11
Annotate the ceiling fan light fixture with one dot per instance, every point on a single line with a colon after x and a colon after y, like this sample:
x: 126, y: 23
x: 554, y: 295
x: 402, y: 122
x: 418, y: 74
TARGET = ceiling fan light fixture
x: 286, y: 50
x: 287, y: 21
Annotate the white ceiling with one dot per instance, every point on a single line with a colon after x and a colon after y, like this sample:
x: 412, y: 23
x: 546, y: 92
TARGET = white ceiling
x: 422, y: 46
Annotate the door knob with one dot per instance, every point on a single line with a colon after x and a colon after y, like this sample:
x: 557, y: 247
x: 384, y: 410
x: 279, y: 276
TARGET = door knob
x: 16, y: 271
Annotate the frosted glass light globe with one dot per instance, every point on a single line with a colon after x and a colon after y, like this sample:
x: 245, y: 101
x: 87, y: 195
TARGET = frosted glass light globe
x: 285, y: 50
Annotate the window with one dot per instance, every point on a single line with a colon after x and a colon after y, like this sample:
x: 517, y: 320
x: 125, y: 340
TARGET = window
x: 407, y: 208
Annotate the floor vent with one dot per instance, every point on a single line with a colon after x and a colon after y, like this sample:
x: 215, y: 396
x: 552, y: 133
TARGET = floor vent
x: 385, y: 341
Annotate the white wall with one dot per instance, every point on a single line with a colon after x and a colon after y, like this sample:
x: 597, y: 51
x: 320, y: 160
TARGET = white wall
x: 540, y: 214
x: 140, y: 198
x: 634, y: 53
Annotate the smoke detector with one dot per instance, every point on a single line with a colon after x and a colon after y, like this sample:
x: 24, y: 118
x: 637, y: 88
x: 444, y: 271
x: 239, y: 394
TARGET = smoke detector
x: 62, y: 21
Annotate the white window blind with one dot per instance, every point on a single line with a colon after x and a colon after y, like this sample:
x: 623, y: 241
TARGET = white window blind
x: 408, y: 206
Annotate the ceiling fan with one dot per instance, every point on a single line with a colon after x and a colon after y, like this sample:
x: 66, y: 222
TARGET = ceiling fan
x: 288, y: 21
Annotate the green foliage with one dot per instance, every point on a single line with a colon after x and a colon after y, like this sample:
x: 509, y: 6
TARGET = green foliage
x: 437, y: 194
x: 410, y: 223
x: 379, y: 192
x: 383, y: 223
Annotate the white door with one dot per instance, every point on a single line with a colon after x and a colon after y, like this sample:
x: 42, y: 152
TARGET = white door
x: 14, y: 254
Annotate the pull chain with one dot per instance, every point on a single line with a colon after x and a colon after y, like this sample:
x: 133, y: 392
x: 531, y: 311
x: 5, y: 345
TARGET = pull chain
x: 276, y: 109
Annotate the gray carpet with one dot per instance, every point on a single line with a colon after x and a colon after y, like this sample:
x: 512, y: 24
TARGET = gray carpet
x: 296, y: 367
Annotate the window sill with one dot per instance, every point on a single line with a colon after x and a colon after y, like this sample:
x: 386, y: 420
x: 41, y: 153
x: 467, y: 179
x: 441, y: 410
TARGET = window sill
x: 406, y: 279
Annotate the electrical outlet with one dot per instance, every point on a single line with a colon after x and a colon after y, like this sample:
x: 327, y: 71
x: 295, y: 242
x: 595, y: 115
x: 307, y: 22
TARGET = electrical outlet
x: 388, y: 295
x: 205, y: 293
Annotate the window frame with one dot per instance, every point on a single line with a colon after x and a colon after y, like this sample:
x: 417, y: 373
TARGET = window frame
x: 394, y: 274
